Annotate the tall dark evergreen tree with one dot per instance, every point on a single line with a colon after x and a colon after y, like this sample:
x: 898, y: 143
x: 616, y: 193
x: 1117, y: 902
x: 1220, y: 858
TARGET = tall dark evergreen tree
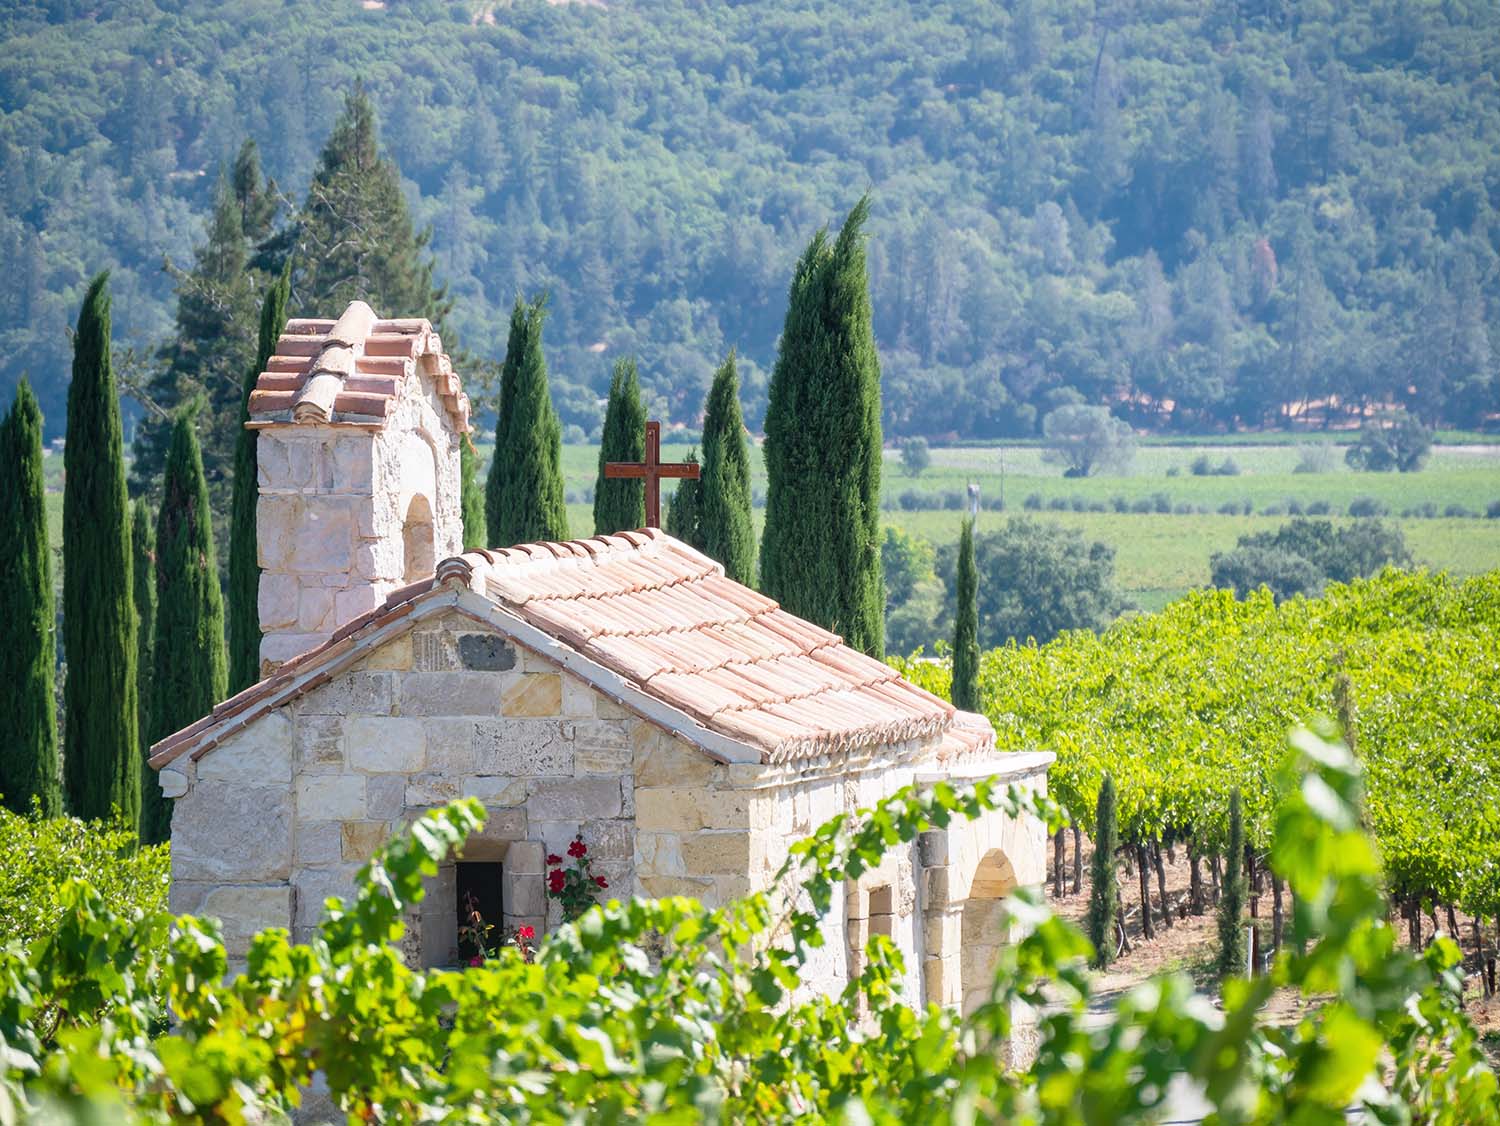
x: 727, y: 531
x: 28, y: 707
x: 1232, y: 898
x: 143, y: 576
x: 966, y: 625
x: 471, y: 495
x: 524, y: 498
x: 244, y: 563
x: 820, y: 555
x: 353, y: 238
x: 101, y: 756
x: 620, y: 503
x: 1104, y: 880
x: 685, y: 511
x: 190, y: 668
x: 205, y: 360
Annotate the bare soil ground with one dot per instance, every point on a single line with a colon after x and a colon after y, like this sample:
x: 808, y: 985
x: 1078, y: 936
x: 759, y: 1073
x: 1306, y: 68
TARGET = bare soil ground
x: 1190, y: 944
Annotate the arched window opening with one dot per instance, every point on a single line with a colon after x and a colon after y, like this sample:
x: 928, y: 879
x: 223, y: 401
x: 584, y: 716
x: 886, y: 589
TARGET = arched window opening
x: 418, y: 541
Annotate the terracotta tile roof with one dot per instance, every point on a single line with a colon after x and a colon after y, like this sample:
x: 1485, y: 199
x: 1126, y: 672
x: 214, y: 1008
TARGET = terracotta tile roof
x: 663, y: 619
x: 350, y: 371
x: 658, y: 613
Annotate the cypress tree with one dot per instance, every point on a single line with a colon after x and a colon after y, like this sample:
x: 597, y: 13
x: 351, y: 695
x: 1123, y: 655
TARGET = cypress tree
x: 820, y: 555
x: 28, y: 708
x: 524, y: 494
x: 1104, y: 881
x: 685, y: 512
x: 244, y: 562
x: 101, y: 747
x: 727, y: 531
x: 143, y: 576
x: 621, y: 503
x: 965, y: 691
x: 471, y: 495
x: 1232, y: 898
x: 190, y: 669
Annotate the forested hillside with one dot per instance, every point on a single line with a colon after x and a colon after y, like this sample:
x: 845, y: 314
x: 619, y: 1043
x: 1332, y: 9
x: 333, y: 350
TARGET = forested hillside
x: 1205, y: 213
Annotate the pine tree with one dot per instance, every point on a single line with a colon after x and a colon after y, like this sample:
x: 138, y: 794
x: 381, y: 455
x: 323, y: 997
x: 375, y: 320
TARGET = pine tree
x: 471, y: 495
x: 620, y: 503
x: 143, y: 582
x: 523, y: 499
x: 1104, y: 880
x: 965, y: 691
x: 256, y: 195
x: 820, y: 555
x: 244, y: 562
x: 190, y: 668
x: 353, y: 238
x: 101, y: 756
x: 205, y: 360
x: 727, y: 531
x: 28, y: 707
x: 1232, y: 898
x: 685, y: 512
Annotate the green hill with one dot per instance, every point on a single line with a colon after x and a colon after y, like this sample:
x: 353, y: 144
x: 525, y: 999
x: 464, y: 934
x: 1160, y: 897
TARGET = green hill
x: 1205, y: 213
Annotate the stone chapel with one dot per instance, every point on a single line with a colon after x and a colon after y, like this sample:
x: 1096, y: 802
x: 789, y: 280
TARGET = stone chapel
x: 618, y: 688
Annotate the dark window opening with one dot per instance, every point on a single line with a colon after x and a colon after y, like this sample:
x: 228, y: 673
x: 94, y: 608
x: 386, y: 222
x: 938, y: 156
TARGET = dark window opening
x: 479, y: 908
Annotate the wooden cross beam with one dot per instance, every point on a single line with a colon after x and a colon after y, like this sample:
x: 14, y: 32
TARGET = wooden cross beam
x: 653, y: 469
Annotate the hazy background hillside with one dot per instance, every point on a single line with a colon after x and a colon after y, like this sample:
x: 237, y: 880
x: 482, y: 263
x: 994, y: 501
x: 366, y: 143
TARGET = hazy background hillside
x: 1232, y: 208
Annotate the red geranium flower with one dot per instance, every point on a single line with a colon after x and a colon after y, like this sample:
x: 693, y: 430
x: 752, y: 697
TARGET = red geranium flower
x: 476, y: 961
x: 601, y: 881
x: 577, y: 849
x: 527, y: 933
x: 553, y: 859
x: 555, y: 880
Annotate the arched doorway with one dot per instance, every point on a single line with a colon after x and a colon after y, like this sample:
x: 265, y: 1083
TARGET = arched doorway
x: 985, y: 928
x: 418, y: 540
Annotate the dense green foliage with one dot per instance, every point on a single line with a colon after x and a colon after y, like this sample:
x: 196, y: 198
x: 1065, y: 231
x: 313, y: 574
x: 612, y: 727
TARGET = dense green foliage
x: 1302, y: 555
x: 243, y: 588
x: 1232, y: 900
x: 1400, y: 442
x: 523, y: 500
x: 965, y: 691
x: 820, y: 550
x: 913, y: 592
x: 1104, y: 879
x: 143, y: 595
x: 28, y: 706
x: 1087, y: 439
x: 1035, y: 580
x: 709, y: 1026
x: 727, y: 529
x: 471, y: 496
x: 1182, y: 706
x: 190, y: 672
x: 101, y: 762
x: 1210, y: 211
x: 684, y: 517
x: 620, y: 503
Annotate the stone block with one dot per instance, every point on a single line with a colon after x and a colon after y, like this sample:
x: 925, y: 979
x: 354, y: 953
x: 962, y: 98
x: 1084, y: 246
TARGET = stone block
x: 434, y: 650
x: 500, y: 825
x: 315, y: 885
x: 592, y: 758
x: 450, y: 693
x: 522, y: 894
x: 942, y: 931
x: 317, y: 844
x: 605, y: 708
x: 663, y: 808
x: 385, y: 744
x: 353, y: 464
x: 271, y: 461
x: 350, y: 604
x: 360, y: 839
x: 331, y: 797
x: 246, y: 910
x: 932, y: 848
x: 733, y: 887
x: 450, y: 745
x: 659, y: 854
x: 716, y: 853
x: 939, y: 889
x: 276, y: 600
x: 385, y: 796
x: 495, y: 790
x: 260, y: 753
x: 611, y: 840
x: 232, y: 832
x: 661, y: 760
x: 575, y: 799
x: 354, y: 693
x: 486, y: 652
x: 319, y: 744
x: 184, y: 898
x: 577, y: 698
x: 394, y: 655
x: 322, y: 536
x: 660, y: 887
x: 173, y: 783
x: 523, y: 747
x: 379, y: 561
x: 533, y: 694
x: 941, y: 981
x: 315, y: 609
x: 526, y: 858
x: 426, y: 790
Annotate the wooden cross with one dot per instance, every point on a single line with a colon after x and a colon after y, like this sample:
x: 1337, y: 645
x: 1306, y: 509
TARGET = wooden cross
x: 653, y: 469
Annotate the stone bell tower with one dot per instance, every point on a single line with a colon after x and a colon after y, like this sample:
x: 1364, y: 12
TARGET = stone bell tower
x: 360, y: 421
